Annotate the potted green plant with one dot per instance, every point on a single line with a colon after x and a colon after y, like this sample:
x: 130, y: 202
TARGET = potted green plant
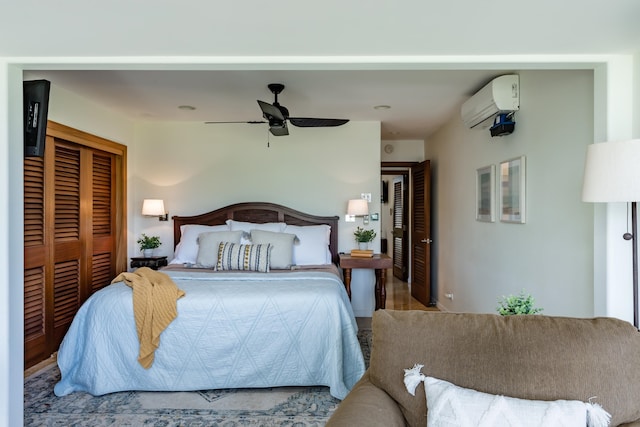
x: 517, y: 304
x: 363, y: 237
x: 148, y: 244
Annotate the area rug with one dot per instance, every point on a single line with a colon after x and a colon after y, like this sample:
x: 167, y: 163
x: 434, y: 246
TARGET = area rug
x: 281, y: 406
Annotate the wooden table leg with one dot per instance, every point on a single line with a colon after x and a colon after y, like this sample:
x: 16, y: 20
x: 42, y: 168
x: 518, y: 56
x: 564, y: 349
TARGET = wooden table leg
x: 347, y: 280
x: 381, y: 288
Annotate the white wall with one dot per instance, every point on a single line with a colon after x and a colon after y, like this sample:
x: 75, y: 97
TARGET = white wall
x: 551, y: 255
x: 402, y: 150
x: 11, y: 253
x: 88, y: 116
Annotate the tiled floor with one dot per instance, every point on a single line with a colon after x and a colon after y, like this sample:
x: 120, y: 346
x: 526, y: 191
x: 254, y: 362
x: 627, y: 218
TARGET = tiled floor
x: 398, y: 298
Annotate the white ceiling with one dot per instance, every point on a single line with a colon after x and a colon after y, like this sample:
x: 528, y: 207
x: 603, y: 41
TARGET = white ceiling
x: 420, y: 101
x: 292, y: 43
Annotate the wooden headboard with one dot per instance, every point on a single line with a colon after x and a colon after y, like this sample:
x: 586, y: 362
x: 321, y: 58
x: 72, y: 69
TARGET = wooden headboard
x: 260, y: 212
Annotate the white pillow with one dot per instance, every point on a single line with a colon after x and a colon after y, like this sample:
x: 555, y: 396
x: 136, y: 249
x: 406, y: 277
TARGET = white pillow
x: 187, y: 250
x: 313, y: 245
x: 282, y: 246
x: 209, y: 243
x: 449, y: 405
x: 276, y: 227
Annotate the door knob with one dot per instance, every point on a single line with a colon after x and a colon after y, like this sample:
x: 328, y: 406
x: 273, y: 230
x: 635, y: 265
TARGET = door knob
x: 427, y: 241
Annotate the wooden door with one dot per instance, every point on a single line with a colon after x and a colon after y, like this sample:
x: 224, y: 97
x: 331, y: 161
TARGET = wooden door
x: 399, y: 230
x: 73, y: 200
x: 35, y: 254
x: 421, y: 233
x: 64, y: 225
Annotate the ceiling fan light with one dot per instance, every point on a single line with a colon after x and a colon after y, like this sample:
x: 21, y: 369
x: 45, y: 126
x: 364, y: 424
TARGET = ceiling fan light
x: 280, y: 130
x: 276, y: 123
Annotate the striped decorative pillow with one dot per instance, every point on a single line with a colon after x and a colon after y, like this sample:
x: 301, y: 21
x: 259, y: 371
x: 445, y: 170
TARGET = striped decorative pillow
x: 235, y: 256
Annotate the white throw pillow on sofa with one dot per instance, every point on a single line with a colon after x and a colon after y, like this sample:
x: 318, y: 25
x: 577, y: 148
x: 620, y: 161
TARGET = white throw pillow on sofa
x: 449, y: 405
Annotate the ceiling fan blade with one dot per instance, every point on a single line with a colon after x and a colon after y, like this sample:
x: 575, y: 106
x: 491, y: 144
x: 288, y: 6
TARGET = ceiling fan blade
x: 310, y: 122
x: 251, y: 122
x: 270, y: 111
x: 279, y: 129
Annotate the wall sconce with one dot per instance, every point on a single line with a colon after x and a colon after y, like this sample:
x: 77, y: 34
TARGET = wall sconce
x: 154, y: 207
x: 358, y: 207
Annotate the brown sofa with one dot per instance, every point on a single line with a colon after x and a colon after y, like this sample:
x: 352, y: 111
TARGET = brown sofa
x: 528, y: 357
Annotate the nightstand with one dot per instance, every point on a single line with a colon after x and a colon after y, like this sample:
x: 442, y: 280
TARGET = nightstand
x: 378, y: 262
x: 154, y: 262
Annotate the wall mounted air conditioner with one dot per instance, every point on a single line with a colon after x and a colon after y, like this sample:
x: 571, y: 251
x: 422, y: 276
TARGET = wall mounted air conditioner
x: 501, y: 95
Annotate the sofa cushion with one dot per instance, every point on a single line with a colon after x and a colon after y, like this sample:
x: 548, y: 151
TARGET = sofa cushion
x: 527, y: 357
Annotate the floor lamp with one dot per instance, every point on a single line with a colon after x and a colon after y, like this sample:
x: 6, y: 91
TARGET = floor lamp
x: 612, y: 174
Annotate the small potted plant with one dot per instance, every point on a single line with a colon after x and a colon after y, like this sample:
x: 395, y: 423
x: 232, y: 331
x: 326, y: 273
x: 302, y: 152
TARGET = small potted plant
x: 148, y: 244
x: 363, y: 237
x: 517, y: 304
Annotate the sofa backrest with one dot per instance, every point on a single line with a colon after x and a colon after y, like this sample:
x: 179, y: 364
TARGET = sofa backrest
x: 528, y: 357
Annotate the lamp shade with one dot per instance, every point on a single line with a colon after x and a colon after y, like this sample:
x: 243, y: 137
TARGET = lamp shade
x: 358, y: 207
x: 612, y: 172
x: 153, y: 207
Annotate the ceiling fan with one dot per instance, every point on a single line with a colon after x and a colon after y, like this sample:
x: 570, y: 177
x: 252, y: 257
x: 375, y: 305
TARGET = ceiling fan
x: 277, y: 116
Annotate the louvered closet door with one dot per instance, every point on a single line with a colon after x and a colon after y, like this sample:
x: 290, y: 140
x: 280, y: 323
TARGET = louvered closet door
x: 34, y: 259
x: 70, y: 237
x: 399, y: 231
x: 67, y: 244
x: 103, y: 226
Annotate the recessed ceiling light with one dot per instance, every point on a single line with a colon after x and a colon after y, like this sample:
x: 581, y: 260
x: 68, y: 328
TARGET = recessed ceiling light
x: 186, y: 107
x: 382, y: 107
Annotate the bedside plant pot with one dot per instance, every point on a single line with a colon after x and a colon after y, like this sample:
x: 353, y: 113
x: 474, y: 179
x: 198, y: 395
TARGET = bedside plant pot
x: 363, y: 245
x: 148, y: 253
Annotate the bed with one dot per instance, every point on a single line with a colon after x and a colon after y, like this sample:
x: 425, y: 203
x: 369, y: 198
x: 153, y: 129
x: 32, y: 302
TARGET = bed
x: 291, y: 325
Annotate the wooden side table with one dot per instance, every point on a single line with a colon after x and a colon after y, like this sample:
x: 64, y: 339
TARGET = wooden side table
x: 154, y: 262
x: 378, y: 262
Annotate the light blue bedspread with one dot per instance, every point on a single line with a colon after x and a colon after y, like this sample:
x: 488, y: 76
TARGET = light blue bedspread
x: 287, y: 329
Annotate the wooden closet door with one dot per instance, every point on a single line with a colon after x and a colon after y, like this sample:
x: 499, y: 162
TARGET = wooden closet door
x: 400, y: 230
x: 35, y: 253
x: 103, y: 229
x: 71, y: 228
x: 64, y: 225
x: 421, y: 233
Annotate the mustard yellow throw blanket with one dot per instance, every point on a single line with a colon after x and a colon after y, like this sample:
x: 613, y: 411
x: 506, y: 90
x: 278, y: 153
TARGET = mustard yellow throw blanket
x: 154, y: 307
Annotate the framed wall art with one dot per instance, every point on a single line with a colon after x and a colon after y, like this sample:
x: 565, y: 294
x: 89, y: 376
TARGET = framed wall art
x: 486, y: 193
x: 512, y: 190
